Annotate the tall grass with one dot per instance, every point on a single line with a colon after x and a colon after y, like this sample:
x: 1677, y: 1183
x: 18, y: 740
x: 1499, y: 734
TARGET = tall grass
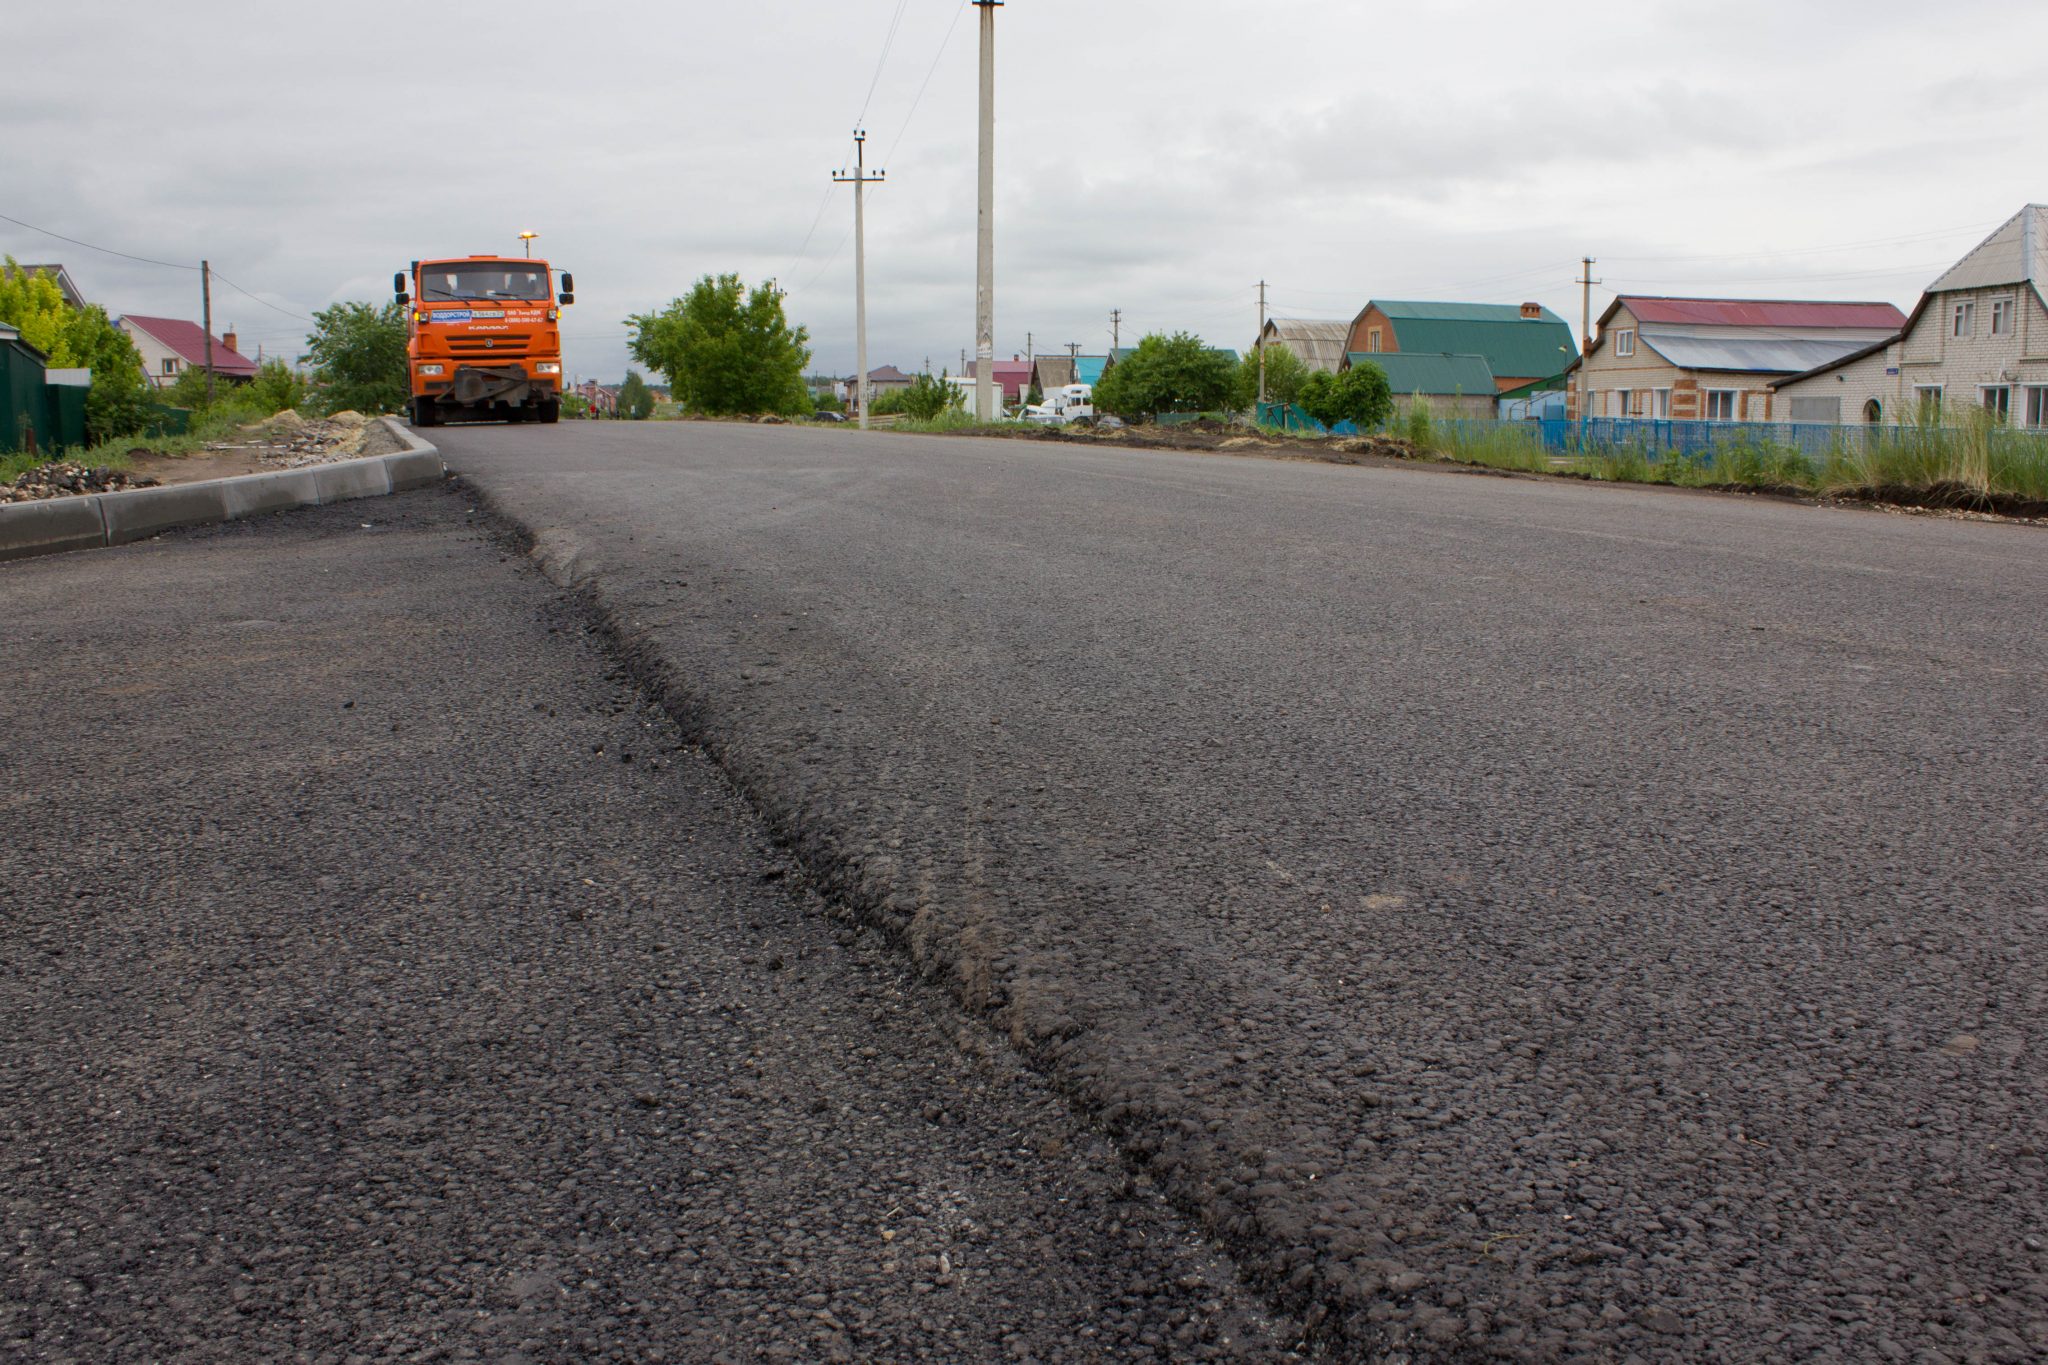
x: 1975, y: 452
x: 1979, y: 453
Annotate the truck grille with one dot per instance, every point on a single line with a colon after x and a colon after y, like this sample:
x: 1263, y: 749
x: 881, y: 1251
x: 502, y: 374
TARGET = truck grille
x: 508, y: 346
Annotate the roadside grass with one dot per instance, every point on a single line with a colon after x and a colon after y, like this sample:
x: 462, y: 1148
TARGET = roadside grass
x: 953, y: 422
x: 1976, y: 454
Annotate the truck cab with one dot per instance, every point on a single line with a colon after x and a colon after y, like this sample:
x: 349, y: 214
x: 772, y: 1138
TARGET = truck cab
x: 483, y: 338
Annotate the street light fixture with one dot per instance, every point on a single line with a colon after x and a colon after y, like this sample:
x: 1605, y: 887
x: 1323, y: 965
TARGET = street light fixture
x: 527, y: 238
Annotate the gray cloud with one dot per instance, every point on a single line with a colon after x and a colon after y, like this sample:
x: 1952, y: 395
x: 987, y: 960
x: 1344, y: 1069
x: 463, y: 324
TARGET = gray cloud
x: 1158, y: 162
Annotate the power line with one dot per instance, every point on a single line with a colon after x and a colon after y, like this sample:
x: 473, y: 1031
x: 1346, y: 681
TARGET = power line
x: 104, y: 250
x: 930, y: 71
x: 265, y: 302
x: 888, y: 42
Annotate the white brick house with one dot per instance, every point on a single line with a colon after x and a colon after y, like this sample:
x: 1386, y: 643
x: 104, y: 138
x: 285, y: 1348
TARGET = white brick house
x: 1979, y: 337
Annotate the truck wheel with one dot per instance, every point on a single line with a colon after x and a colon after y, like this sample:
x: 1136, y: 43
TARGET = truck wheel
x: 423, y: 413
x: 550, y: 411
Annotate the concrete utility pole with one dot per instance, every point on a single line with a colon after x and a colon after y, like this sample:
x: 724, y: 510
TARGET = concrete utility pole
x: 1262, y: 342
x: 206, y: 321
x: 985, y: 254
x: 1116, y: 331
x: 860, y: 180
x: 1586, y: 307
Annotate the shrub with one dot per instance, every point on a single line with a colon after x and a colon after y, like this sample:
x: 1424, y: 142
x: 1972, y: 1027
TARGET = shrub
x: 1360, y: 394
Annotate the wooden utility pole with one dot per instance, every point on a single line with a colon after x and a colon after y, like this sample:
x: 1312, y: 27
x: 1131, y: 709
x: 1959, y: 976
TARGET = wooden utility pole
x: 985, y: 245
x: 206, y: 321
x: 1116, y: 331
x: 860, y: 180
x: 1262, y: 344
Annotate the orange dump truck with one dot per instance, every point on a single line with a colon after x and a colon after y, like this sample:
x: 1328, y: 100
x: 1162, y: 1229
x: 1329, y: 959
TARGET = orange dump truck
x: 484, y: 338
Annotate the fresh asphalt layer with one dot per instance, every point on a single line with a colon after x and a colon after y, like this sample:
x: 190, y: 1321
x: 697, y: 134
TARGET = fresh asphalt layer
x: 381, y: 978
x: 1521, y: 920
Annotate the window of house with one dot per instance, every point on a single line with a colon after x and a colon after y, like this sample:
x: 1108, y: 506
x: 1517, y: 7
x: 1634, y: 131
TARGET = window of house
x: 1928, y: 397
x: 2001, y: 317
x: 1997, y: 400
x: 1372, y: 340
x: 2037, y: 405
x: 1721, y: 405
x: 1965, y: 320
x: 1621, y: 403
x: 170, y: 364
x: 1660, y: 403
x: 1873, y: 412
x: 1625, y: 342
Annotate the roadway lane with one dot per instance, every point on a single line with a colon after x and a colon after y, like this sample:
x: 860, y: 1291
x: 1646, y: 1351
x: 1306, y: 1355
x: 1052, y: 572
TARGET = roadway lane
x: 1518, y: 917
x: 382, y: 978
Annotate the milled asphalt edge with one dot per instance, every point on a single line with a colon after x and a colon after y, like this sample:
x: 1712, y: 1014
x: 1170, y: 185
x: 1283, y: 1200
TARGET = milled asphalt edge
x: 1266, y: 1232
x: 53, y: 525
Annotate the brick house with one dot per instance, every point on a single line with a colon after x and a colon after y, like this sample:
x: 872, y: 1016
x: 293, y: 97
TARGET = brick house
x: 1979, y: 335
x: 170, y: 346
x: 1521, y: 343
x: 1713, y: 359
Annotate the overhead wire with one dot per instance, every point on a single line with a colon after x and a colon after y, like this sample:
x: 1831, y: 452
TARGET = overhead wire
x: 925, y: 85
x: 888, y: 42
x: 104, y: 250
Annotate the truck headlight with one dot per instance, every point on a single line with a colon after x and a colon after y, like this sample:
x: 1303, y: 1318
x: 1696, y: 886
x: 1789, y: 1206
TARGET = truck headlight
x: 548, y: 367
x: 430, y: 369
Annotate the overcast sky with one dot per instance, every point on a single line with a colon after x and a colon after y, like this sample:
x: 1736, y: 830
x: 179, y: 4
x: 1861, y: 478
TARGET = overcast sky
x: 1156, y: 157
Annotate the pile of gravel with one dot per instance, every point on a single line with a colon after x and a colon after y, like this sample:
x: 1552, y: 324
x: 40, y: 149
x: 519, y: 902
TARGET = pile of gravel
x: 64, y: 479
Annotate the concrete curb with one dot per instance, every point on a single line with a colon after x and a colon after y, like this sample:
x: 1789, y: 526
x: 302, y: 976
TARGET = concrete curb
x: 53, y: 525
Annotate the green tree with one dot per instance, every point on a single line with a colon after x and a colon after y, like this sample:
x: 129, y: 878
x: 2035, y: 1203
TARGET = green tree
x: 1360, y: 394
x: 1035, y: 397
x: 274, y: 389
x: 928, y: 397
x: 1175, y: 373
x: 358, y: 352
x: 118, y: 403
x: 727, y: 349
x: 1285, y: 374
x: 636, y: 400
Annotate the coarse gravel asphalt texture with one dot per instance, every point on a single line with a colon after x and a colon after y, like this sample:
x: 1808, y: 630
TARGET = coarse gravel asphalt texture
x: 382, y: 978
x: 1522, y: 920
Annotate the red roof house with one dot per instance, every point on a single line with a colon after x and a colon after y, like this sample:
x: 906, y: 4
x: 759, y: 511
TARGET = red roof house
x: 170, y: 346
x: 1714, y: 360
x: 1012, y: 376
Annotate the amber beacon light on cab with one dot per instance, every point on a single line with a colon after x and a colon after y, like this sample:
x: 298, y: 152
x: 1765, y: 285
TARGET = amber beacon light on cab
x: 484, y: 339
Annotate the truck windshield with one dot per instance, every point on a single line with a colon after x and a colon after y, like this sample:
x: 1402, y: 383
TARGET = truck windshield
x: 472, y: 280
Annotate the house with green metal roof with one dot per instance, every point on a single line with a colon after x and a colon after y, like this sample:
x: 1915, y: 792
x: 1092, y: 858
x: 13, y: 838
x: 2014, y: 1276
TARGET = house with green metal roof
x: 1521, y: 343
x: 1455, y: 385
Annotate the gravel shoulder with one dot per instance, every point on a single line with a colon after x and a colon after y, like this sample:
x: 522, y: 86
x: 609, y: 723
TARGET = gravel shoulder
x: 384, y: 979
x: 1523, y: 921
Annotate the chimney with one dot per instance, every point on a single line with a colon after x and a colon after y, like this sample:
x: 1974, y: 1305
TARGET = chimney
x: 227, y: 339
x: 1533, y: 311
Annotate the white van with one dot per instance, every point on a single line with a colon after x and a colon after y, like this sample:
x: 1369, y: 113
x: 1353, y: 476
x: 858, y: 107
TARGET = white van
x: 1069, y: 403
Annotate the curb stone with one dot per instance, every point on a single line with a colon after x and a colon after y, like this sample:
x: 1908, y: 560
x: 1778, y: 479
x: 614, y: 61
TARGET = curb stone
x: 53, y: 525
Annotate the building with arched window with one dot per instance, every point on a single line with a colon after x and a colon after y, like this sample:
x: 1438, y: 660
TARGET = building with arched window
x: 1978, y: 338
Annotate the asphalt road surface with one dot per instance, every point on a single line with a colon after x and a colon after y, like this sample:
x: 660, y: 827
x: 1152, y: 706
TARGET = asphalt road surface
x: 382, y: 979
x: 1521, y: 920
